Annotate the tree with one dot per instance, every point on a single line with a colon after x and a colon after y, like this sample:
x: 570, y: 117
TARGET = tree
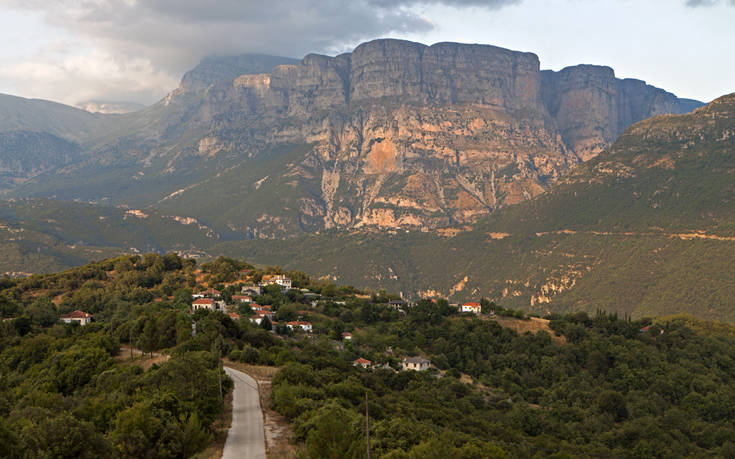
x: 265, y: 324
x: 613, y: 403
x: 43, y: 312
x: 335, y: 434
x: 148, y: 338
x: 8, y: 308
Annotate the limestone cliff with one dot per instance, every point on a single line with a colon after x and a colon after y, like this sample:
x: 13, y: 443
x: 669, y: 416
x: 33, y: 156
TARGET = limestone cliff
x: 399, y: 135
x: 409, y: 135
x: 592, y: 108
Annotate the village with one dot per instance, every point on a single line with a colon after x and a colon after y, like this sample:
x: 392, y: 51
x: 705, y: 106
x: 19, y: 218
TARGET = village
x: 237, y: 300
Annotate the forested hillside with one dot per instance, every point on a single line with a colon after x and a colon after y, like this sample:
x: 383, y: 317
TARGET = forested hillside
x: 500, y: 384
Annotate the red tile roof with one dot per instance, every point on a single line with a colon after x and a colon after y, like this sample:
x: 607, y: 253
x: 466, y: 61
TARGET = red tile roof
x: 77, y: 315
x: 472, y: 304
x: 362, y: 361
x: 203, y: 301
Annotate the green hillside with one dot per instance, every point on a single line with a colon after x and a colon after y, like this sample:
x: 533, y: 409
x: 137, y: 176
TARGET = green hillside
x: 646, y: 228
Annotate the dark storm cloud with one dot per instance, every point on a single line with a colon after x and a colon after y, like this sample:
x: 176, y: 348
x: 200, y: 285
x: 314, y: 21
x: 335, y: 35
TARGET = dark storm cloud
x: 176, y: 33
x: 158, y: 40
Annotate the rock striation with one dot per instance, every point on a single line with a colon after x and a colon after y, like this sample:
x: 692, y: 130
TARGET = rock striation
x: 409, y: 135
x: 397, y: 134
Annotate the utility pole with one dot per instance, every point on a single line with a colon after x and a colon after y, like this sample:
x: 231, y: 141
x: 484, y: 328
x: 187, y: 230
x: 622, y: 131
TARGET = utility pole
x: 367, y: 425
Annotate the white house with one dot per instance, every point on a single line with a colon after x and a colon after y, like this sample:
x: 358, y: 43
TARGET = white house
x: 415, y: 364
x: 81, y: 317
x: 241, y: 299
x: 263, y: 313
x: 208, y: 303
x: 473, y: 307
x: 279, y: 279
x: 211, y: 293
x: 365, y: 363
x: 306, y: 326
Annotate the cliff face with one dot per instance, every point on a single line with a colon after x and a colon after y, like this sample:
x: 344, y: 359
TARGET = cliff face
x: 592, y: 108
x: 408, y: 135
x: 400, y: 135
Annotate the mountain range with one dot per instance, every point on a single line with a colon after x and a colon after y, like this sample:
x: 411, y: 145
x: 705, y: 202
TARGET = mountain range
x: 451, y: 169
x: 395, y: 134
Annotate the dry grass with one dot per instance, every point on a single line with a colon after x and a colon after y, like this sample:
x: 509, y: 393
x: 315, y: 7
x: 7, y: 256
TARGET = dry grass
x: 143, y: 361
x: 533, y: 325
x: 278, y: 436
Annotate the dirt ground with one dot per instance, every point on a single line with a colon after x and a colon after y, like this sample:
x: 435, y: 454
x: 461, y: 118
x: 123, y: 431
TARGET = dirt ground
x: 278, y: 436
x: 533, y: 325
x: 143, y: 361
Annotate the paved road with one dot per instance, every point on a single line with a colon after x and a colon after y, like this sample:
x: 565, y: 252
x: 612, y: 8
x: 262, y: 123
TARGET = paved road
x: 245, y: 438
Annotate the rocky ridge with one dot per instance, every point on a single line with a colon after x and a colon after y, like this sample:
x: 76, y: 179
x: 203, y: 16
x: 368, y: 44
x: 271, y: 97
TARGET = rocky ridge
x: 409, y: 135
x: 399, y: 135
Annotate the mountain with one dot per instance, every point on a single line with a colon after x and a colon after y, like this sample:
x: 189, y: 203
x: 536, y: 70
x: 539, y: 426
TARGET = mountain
x: 646, y: 228
x: 110, y: 107
x: 395, y: 134
x: 38, y: 136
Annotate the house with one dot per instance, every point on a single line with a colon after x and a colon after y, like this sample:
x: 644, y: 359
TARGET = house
x: 347, y: 336
x: 398, y: 304
x: 645, y: 329
x: 257, y: 318
x: 365, y: 363
x: 305, y: 326
x: 211, y: 293
x: 251, y: 289
x: 241, y: 299
x: 208, y: 303
x: 278, y: 279
x: 264, y: 313
x: 415, y: 364
x: 473, y: 307
x: 80, y: 317
x: 234, y: 315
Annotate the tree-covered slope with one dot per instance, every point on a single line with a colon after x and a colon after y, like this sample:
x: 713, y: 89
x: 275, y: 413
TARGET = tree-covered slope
x: 646, y: 228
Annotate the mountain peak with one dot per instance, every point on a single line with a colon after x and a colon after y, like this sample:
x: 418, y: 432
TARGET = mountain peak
x: 216, y: 69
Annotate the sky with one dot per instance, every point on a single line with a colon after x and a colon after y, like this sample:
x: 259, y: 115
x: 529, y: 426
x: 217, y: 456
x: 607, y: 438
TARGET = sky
x: 74, y: 51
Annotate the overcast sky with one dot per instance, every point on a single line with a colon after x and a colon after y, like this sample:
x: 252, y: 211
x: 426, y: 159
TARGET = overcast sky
x: 136, y: 50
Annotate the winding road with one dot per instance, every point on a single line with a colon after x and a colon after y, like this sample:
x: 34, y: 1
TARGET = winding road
x: 245, y: 438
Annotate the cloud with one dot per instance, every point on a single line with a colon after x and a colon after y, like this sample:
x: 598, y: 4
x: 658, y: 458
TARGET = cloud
x: 147, y: 44
x: 705, y: 3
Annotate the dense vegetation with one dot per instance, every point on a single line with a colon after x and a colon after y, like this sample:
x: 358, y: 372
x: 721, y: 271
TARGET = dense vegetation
x: 66, y: 391
x: 610, y: 391
x: 582, y: 386
x: 617, y: 233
